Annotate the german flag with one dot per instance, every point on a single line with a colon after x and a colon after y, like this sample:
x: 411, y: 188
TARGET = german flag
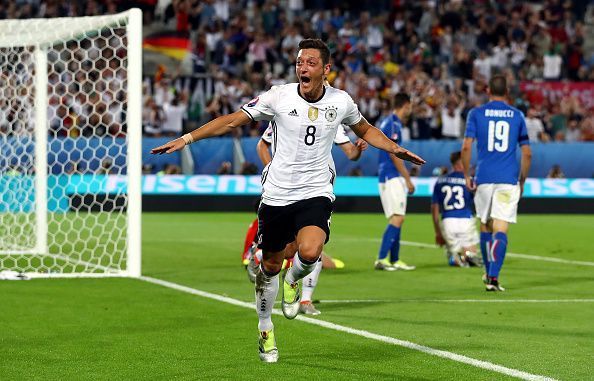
x: 172, y: 44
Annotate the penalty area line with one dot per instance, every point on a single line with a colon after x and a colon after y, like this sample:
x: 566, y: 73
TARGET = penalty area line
x: 359, y: 332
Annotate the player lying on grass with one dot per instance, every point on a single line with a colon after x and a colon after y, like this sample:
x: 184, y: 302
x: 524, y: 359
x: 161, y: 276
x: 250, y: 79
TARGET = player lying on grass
x: 498, y: 129
x: 457, y: 229
x: 298, y: 195
x: 353, y: 152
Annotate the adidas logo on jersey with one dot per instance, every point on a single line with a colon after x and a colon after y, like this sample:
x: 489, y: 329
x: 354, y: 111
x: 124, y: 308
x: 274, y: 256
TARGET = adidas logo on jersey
x: 293, y: 113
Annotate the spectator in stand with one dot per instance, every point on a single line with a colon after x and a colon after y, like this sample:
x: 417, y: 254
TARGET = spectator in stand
x: 451, y: 118
x: 555, y: 172
x: 588, y: 129
x: 174, y: 115
x: 552, y: 65
x: 573, y: 133
x: 535, y: 126
x: 418, y: 47
x: 557, y: 122
x: 152, y: 118
x: 482, y: 67
x: 226, y: 168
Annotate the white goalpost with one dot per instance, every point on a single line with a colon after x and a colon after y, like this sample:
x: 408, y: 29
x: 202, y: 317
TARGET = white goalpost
x: 70, y: 146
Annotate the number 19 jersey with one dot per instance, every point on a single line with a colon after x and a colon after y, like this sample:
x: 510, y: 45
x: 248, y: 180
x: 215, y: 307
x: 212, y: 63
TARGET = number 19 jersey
x: 498, y: 129
x: 302, y: 137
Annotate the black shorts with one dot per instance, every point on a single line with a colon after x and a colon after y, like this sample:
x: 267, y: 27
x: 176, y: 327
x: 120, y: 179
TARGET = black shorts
x: 278, y: 225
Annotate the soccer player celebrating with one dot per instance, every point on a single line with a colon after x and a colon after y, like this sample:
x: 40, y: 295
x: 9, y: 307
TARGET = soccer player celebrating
x: 298, y: 183
x: 353, y: 152
x: 498, y: 129
x: 457, y: 230
x: 394, y: 186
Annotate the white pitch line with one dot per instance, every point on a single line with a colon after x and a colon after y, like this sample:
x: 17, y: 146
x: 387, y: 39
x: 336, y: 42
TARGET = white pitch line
x: 358, y: 332
x: 460, y: 301
x: 355, y: 301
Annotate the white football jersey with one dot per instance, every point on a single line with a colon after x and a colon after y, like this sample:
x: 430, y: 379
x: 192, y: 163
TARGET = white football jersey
x: 302, y: 136
x: 340, y: 138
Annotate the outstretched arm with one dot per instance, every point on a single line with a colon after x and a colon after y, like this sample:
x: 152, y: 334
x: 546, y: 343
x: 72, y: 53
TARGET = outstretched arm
x: 215, y: 127
x: 466, y: 153
x: 376, y: 138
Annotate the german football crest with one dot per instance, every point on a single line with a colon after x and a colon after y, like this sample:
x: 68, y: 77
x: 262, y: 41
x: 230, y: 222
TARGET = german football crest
x: 312, y: 113
x: 331, y: 114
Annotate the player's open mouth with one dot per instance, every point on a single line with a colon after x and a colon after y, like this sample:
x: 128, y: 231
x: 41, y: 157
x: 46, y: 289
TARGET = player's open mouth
x: 305, y: 79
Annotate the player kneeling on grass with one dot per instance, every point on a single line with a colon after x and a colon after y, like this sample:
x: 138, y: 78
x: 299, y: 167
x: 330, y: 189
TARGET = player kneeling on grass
x: 457, y: 230
x: 298, y: 196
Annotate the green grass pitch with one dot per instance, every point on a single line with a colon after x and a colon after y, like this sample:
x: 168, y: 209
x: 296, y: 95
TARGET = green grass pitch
x: 106, y: 329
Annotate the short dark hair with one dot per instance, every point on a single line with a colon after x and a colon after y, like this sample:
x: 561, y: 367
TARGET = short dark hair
x: 400, y: 100
x: 316, y: 43
x: 498, y: 85
x: 455, y: 156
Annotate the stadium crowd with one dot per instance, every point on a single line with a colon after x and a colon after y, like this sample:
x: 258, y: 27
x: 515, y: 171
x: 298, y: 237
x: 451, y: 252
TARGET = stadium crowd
x: 442, y: 53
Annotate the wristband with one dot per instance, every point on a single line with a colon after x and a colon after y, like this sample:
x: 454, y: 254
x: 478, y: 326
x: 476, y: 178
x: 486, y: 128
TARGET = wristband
x: 187, y: 138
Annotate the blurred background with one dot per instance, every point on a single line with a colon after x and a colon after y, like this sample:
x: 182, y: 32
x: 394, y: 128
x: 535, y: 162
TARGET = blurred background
x: 203, y: 59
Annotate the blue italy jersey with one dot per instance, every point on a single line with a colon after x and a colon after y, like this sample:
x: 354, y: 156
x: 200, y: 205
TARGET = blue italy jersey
x: 392, y: 128
x: 498, y: 129
x: 452, y: 196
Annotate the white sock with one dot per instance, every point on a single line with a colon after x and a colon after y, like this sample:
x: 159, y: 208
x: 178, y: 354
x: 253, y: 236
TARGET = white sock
x: 266, y: 291
x: 310, y: 282
x: 299, y: 270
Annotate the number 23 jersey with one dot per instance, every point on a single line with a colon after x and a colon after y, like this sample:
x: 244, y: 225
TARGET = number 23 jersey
x: 302, y: 136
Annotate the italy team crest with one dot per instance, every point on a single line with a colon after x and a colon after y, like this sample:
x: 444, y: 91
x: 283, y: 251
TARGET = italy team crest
x: 312, y: 113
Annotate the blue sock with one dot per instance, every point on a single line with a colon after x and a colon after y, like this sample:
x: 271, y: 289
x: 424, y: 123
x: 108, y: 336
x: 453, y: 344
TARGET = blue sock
x: 388, y: 241
x: 395, y: 248
x: 498, y: 249
x: 486, y: 239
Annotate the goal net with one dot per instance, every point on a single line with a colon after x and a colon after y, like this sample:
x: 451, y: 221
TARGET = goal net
x: 70, y: 136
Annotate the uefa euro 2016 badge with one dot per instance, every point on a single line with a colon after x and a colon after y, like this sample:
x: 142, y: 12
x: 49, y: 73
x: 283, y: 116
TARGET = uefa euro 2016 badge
x: 331, y: 114
x: 312, y: 113
x: 253, y: 102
